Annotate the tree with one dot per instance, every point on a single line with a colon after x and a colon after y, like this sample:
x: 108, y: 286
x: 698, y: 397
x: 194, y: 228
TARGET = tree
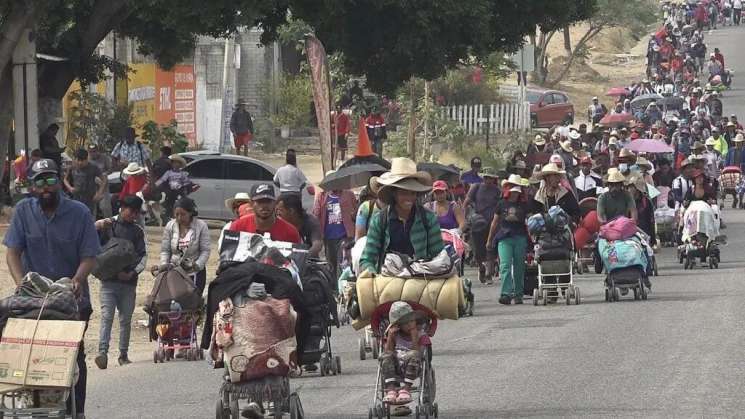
x: 634, y: 14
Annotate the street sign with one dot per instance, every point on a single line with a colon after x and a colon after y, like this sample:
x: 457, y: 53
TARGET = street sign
x: 524, y: 58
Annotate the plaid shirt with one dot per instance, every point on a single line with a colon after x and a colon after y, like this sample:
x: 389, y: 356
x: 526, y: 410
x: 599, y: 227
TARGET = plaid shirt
x: 135, y: 152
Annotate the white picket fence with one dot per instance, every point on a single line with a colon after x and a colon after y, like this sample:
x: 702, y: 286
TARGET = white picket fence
x: 501, y: 118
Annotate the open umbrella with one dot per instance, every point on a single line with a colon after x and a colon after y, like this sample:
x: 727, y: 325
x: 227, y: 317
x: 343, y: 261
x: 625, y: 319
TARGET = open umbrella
x: 648, y: 145
x: 671, y: 103
x: 616, y: 119
x: 642, y: 101
x: 440, y: 171
x: 618, y: 91
x: 351, y: 177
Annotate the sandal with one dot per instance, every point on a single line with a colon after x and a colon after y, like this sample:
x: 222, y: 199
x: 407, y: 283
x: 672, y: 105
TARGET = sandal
x: 403, y: 396
x: 390, y: 396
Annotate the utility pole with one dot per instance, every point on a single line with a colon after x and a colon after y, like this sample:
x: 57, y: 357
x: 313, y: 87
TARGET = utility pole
x: 25, y: 96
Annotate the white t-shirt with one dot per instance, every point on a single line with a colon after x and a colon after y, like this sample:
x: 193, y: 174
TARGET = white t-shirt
x: 290, y: 178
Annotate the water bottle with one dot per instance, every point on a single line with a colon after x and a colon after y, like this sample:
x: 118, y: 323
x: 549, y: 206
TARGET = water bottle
x: 175, y: 306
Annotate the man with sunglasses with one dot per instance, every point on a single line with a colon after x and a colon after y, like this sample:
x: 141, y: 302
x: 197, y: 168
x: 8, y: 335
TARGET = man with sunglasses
x: 56, y: 237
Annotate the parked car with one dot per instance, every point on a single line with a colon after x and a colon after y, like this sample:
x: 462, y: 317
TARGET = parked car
x: 549, y: 108
x: 220, y: 176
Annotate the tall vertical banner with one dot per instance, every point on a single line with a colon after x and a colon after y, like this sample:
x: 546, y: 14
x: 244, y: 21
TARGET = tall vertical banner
x: 321, y: 97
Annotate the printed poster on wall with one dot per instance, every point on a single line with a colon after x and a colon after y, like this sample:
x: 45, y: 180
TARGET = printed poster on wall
x: 175, y: 98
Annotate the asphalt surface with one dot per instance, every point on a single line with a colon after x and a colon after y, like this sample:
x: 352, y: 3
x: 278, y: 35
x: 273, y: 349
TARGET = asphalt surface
x: 676, y: 355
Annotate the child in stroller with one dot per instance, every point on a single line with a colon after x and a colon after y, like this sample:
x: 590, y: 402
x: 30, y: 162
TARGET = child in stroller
x: 405, y: 329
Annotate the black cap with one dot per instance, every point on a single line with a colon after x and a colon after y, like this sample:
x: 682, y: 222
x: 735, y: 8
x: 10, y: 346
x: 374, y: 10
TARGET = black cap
x: 43, y: 166
x: 475, y: 160
x: 261, y: 191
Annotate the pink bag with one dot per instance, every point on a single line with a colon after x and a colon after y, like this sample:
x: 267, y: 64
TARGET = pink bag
x: 620, y: 228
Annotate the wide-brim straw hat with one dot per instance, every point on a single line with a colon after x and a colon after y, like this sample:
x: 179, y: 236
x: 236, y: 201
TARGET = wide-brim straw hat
x: 739, y: 138
x: 638, y: 181
x: 539, y: 140
x: 711, y: 141
x: 515, y: 180
x: 240, y: 197
x: 133, y: 169
x: 697, y: 146
x: 615, y: 176
x: 574, y: 135
x: 641, y: 161
x: 403, y: 175
x: 686, y: 162
x: 567, y: 146
x: 177, y: 158
x: 625, y: 153
x: 550, y: 169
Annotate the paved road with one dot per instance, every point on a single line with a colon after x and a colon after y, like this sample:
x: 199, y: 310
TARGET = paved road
x: 676, y: 355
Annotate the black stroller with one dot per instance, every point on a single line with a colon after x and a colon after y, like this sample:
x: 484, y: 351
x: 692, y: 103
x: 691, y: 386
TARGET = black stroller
x: 321, y: 302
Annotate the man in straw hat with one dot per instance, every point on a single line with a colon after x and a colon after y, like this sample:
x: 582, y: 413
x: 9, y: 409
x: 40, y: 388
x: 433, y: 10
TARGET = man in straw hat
x: 235, y: 203
x: 736, y: 154
x: 637, y: 187
x: 713, y: 160
x: 537, y: 152
x: 616, y: 202
x: 507, y: 233
x: 242, y: 127
x: 483, y: 199
x: 403, y: 226
x: 399, y: 362
x: 552, y: 193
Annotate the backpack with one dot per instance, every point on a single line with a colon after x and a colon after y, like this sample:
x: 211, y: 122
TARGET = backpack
x: 172, y: 285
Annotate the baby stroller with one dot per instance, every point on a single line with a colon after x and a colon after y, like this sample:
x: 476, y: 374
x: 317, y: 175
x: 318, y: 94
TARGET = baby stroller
x: 457, y: 249
x: 626, y: 264
x: 174, y: 307
x: 425, y: 389
x: 700, y: 231
x: 666, y: 225
x: 728, y: 182
x: 554, y: 250
x: 321, y: 303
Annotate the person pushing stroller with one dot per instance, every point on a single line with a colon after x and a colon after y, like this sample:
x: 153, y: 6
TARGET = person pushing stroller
x: 401, y: 357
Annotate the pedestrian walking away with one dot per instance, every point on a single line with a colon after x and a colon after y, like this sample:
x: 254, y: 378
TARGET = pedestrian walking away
x: 289, y: 178
x: 118, y: 293
x: 55, y: 237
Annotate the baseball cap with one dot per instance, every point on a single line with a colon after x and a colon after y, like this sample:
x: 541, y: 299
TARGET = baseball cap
x: 262, y: 191
x: 43, y: 166
x: 475, y: 160
x: 440, y: 185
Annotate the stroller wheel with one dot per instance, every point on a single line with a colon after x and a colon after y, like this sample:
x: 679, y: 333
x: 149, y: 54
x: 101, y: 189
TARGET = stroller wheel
x: 607, y: 295
x: 544, y: 297
x: 577, y: 299
x: 220, y: 411
x: 616, y: 294
x: 535, y: 296
x: 296, y: 408
x: 155, y: 357
x: 323, y: 367
x: 337, y: 362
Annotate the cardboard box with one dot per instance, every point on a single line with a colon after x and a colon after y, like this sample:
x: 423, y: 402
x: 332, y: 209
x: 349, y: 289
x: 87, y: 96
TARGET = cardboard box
x: 40, y: 353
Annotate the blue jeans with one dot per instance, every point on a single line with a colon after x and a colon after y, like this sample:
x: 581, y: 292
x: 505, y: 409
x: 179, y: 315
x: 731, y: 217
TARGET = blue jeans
x: 116, y: 296
x: 512, y: 264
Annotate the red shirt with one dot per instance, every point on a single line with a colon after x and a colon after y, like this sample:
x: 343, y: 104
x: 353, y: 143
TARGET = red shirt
x: 281, y: 230
x: 132, y: 185
x: 342, y: 123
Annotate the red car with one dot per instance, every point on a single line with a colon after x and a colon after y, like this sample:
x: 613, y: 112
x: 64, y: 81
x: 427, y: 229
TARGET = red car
x: 549, y: 108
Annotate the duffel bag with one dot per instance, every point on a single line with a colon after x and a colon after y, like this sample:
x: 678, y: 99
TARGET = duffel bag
x: 116, y: 255
x: 620, y: 228
x: 173, y: 285
x: 621, y: 254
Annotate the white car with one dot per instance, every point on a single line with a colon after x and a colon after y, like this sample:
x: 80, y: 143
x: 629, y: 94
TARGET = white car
x: 220, y: 176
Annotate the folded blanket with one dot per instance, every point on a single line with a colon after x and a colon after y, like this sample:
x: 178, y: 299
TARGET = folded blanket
x: 443, y: 296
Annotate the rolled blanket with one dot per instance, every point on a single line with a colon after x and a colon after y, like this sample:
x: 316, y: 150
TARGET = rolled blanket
x: 443, y: 296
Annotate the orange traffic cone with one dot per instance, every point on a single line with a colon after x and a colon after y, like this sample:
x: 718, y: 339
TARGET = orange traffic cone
x: 364, y: 149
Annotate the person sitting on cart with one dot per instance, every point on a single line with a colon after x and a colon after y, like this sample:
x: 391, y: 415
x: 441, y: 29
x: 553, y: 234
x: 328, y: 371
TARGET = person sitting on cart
x: 404, y: 226
x: 616, y: 202
x: 400, y: 361
x: 552, y: 193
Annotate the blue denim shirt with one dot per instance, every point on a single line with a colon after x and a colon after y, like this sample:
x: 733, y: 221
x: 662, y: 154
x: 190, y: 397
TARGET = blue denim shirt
x: 53, y: 246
